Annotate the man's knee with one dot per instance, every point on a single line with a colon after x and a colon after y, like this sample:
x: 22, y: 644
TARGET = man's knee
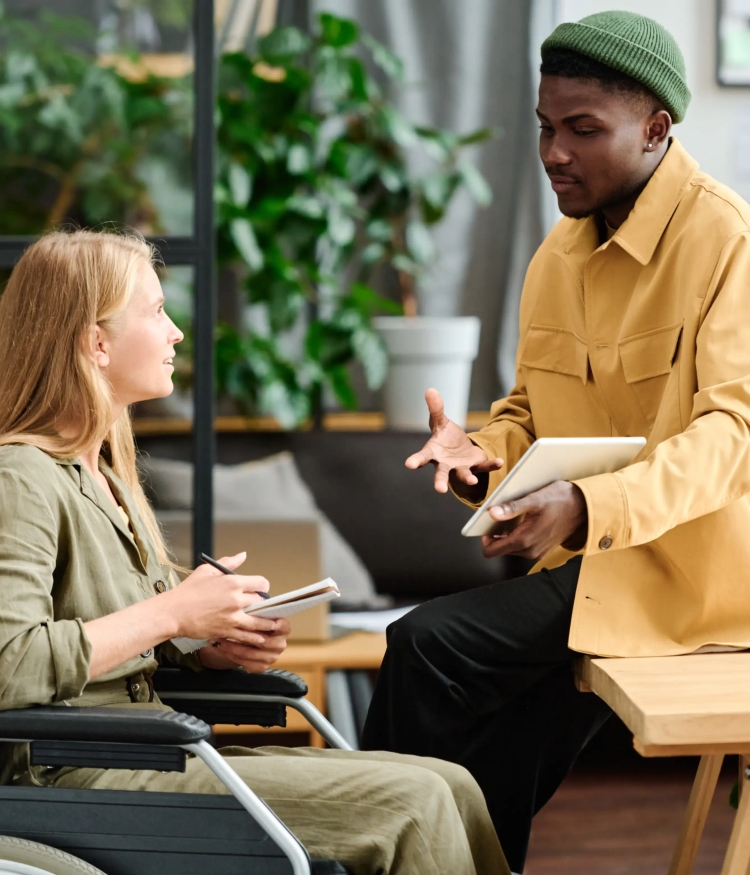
x: 419, y: 631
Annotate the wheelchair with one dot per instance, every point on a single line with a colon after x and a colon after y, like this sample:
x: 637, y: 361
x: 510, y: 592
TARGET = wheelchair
x: 48, y: 831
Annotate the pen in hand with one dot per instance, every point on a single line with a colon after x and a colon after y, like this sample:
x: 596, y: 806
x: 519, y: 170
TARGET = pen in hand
x: 204, y: 557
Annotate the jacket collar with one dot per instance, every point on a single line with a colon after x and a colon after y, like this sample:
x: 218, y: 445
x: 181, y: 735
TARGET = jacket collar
x: 640, y: 233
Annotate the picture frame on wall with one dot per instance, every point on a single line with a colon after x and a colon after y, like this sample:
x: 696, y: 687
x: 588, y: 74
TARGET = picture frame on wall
x: 733, y: 43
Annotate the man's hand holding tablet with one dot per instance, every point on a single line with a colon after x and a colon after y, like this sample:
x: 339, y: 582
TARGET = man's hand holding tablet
x: 553, y: 515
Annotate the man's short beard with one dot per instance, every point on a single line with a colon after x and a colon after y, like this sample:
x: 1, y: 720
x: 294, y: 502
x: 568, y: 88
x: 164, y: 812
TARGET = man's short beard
x: 614, y: 198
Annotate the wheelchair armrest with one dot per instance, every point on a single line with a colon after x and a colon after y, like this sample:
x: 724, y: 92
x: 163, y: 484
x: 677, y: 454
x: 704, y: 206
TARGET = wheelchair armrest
x: 107, y: 725
x: 274, y: 682
x: 227, y: 696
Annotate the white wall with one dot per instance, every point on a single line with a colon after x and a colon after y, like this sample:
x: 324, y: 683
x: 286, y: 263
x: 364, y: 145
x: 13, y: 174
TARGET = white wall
x: 716, y: 129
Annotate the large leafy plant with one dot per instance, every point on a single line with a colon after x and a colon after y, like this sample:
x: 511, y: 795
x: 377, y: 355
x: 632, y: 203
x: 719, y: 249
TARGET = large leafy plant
x: 78, y: 140
x: 315, y: 194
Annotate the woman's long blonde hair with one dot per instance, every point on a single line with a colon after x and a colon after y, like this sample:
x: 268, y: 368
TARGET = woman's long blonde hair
x: 64, y: 284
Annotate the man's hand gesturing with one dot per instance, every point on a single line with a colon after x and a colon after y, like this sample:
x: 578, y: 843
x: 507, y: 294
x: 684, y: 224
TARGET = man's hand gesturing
x: 450, y: 450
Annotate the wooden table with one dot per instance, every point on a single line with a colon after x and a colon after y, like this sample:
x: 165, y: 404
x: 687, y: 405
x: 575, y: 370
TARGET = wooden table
x: 358, y: 651
x: 686, y: 705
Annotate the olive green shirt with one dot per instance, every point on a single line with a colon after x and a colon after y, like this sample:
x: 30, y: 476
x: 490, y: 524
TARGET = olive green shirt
x: 68, y: 557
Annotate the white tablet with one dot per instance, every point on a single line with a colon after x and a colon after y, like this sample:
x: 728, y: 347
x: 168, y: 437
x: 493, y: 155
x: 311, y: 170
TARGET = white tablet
x: 550, y: 459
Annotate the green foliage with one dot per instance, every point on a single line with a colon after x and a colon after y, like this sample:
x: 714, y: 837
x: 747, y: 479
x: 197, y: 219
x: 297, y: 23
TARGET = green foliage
x: 315, y: 194
x: 76, y: 139
x: 314, y: 190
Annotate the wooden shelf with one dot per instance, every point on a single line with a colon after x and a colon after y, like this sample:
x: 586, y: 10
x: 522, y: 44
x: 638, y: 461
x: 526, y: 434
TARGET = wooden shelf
x: 174, y: 65
x: 331, y: 422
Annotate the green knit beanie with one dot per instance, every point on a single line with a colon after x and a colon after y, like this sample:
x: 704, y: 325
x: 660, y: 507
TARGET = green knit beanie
x: 634, y: 45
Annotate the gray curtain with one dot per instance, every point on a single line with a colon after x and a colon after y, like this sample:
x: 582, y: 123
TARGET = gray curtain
x: 467, y: 66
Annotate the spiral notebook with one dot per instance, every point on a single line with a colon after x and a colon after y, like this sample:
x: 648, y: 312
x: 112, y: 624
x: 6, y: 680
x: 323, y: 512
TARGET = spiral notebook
x: 283, y: 605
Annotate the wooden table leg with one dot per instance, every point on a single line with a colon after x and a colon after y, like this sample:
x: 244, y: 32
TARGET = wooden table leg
x: 696, y: 814
x: 737, y: 860
x: 316, y: 685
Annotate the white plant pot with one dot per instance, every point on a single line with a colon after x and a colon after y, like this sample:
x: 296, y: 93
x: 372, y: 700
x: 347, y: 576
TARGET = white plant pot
x: 427, y: 352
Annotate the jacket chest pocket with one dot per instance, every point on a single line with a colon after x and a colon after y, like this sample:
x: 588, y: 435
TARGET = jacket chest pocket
x: 556, y: 350
x: 647, y: 361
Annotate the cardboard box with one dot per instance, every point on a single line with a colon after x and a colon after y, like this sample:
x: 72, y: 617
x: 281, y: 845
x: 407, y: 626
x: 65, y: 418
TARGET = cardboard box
x: 287, y: 552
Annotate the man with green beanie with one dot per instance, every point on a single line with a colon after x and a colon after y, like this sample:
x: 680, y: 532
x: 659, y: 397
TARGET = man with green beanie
x: 635, y: 320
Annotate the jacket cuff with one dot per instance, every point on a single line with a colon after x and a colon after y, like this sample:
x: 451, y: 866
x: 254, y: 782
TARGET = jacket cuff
x: 71, y: 657
x: 495, y: 477
x: 607, y: 508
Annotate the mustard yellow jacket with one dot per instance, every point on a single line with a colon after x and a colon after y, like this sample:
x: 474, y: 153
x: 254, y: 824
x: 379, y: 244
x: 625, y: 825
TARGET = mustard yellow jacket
x: 647, y: 334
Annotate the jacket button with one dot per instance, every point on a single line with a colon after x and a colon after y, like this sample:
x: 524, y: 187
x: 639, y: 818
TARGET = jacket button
x: 135, y: 687
x: 160, y: 586
x: 605, y: 543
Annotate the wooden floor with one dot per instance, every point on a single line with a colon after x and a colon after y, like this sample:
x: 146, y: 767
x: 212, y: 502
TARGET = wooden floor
x: 624, y: 820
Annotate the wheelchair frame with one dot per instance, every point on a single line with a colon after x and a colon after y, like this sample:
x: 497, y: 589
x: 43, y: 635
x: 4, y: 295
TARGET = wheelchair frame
x: 133, y: 738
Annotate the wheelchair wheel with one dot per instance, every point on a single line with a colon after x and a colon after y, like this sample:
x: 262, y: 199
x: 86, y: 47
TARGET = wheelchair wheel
x: 20, y: 857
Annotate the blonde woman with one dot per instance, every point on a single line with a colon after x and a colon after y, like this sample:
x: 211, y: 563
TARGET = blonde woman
x: 88, y: 599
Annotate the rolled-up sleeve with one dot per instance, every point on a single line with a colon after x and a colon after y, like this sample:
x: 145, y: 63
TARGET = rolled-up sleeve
x: 42, y: 660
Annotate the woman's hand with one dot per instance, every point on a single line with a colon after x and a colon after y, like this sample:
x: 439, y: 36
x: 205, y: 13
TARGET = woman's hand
x: 209, y: 604
x: 226, y: 653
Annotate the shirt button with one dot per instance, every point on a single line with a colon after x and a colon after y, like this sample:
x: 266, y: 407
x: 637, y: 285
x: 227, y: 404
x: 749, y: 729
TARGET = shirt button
x: 160, y: 586
x: 605, y: 543
x: 147, y: 653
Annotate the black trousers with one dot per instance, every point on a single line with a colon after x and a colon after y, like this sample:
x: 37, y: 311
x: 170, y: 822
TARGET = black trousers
x: 484, y: 678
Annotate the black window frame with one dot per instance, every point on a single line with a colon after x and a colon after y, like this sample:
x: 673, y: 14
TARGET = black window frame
x: 197, y: 251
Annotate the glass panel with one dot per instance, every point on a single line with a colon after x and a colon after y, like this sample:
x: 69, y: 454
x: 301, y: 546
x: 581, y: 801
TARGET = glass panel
x: 96, y: 115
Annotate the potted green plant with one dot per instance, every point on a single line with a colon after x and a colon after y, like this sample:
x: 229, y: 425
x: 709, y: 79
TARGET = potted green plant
x: 316, y: 198
x: 314, y: 193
